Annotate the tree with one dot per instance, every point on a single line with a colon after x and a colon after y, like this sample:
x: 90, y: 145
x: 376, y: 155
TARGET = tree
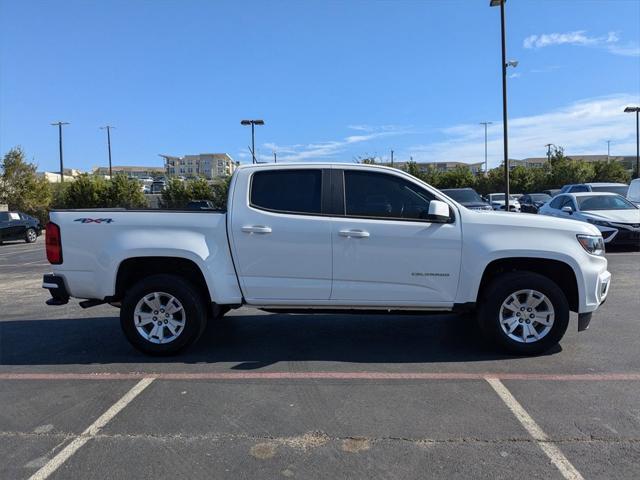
x: 174, y: 195
x: 177, y: 193
x: 610, y: 171
x: 92, y: 191
x: 20, y: 186
x: 459, y: 177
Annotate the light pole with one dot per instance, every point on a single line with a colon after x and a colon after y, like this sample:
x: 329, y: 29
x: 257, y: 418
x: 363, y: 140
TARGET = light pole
x: 486, y: 163
x: 505, y: 64
x: 60, y: 124
x: 637, y: 111
x: 253, y: 123
x: 549, y: 145
x: 608, y: 149
x: 108, y: 129
x: 392, y: 157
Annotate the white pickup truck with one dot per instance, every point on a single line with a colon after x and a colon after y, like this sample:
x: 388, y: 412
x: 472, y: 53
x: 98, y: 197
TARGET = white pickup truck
x: 329, y: 238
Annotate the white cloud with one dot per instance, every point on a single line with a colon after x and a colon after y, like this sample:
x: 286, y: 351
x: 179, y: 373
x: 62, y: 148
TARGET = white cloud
x: 609, y: 42
x: 515, y: 75
x: 333, y: 148
x: 581, y: 128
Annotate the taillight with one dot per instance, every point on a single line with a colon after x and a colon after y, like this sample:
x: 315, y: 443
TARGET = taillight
x: 54, y: 245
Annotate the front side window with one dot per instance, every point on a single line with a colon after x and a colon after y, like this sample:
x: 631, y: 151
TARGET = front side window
x: 288, y: 191
x: 557, y: 202
x: 379, y: 195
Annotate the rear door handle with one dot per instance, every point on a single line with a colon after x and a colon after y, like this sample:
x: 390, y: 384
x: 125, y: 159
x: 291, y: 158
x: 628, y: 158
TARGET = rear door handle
x: 256, y: 229
x: 354, y: 233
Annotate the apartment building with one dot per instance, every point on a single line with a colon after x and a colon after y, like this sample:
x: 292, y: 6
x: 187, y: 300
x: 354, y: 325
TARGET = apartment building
x: 208, y: 165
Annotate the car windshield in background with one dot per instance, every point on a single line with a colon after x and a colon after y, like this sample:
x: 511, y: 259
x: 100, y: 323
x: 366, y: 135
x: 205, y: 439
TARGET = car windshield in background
x: 463, y: 196
x: 619, y: 189
x: 540, y: 197
x: 497, y: 197
x: 604, y: 202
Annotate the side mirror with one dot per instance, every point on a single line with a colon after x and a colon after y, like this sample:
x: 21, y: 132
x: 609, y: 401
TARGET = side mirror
x: 567, y: 209
x: 438, y: 211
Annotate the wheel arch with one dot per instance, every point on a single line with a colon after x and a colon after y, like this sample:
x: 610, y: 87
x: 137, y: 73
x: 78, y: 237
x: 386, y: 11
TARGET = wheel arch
x: 556, y: 270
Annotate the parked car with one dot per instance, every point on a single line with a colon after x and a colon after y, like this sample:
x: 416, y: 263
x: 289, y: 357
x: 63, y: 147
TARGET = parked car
x: 619, y: 188
x: 200, y: 205
x: 617, y: 218
x: 19, y: 226
x: 552, y: 192
x: 496, y: 200
x: 338, y: 237
x: 633, y: 195
x: 467, y: 197
x: 531, y: 202
x: 158, y: 186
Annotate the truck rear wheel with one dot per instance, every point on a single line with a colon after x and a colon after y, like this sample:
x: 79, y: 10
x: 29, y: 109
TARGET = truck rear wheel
x: 524, y: 313
x: 162, y: 315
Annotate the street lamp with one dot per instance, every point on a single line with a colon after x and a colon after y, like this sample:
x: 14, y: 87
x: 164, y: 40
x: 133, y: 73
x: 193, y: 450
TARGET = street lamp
x: 108, y: 129
x: 637, y: 111
x: 505, y: 64
x: 486, y: 163
x: 60, y: 124
x: 253, y: 123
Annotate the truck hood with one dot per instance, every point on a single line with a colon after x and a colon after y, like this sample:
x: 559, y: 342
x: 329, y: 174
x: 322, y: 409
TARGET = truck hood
x: 509, y: 220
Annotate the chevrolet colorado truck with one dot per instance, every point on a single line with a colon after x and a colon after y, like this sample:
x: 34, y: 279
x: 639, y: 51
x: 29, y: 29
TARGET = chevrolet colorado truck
x: 324, y: 238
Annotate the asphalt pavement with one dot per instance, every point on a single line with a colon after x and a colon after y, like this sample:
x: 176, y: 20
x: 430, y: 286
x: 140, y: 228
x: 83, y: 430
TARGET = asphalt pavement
x: 312, y: 396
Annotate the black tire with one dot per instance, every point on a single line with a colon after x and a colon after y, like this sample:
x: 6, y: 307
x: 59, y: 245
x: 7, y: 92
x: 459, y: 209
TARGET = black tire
x: 500, y: 289
x: 30, y: 236
x: 193, y: 306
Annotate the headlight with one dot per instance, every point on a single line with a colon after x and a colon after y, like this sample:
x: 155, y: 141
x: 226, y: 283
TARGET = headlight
x: 602, y: 223
x: 594, y: 244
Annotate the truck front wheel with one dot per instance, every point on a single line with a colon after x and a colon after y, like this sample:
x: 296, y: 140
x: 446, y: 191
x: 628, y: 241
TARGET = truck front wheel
x: 162, y: 315
x: 524, y: 313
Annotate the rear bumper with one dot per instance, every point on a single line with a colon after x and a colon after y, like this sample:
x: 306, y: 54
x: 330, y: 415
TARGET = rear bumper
x: 57, y: 289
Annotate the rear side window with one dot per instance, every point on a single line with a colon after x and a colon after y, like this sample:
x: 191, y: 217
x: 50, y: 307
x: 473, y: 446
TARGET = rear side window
x: 287, y: 191
x: 379, y: 195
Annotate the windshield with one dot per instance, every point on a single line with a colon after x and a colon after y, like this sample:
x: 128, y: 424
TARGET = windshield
x: 619, y: 189
x: 496, y: 197
x: 540, y: 197
x: 463, y: 196
x: 604, y: 202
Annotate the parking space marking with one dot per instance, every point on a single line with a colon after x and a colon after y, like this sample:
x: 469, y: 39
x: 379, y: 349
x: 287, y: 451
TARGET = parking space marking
x: 594, y: 377
x: 91, y: 431
x: 551, y: 450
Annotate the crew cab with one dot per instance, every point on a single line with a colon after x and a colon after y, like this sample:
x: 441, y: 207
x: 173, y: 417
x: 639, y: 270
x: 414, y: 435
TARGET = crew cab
x: 323, y: 237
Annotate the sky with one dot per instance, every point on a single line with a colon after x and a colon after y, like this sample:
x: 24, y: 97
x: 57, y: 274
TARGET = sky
x: 333, y: 80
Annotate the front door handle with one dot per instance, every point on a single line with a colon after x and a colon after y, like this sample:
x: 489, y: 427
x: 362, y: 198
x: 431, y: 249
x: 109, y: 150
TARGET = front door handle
x: 256, y: 229
x: 354, y: 233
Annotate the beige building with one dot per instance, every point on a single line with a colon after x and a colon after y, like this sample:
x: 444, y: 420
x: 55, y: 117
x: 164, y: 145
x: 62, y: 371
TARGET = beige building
x: 54, y: 177
x: 208, y: 165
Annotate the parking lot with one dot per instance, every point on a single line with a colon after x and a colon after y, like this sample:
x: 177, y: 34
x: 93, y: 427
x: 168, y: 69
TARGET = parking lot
x: 324, y: 396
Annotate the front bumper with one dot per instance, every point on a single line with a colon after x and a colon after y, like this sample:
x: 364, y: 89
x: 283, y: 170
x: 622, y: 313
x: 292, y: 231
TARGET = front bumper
x: 57, y: 289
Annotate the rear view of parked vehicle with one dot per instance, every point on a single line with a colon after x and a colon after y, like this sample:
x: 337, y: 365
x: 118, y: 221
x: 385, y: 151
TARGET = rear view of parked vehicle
x: 531, y: 202
x: 19, y: 226
x: 617, y: 218
x: 497, y: 202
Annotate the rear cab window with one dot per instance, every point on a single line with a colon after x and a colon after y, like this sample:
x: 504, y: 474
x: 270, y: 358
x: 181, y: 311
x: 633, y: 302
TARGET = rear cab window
x: 287, y: 191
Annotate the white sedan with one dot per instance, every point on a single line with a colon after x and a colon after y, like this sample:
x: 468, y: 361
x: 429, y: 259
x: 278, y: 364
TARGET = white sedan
x: 496, y: 200
x: 617, y: 218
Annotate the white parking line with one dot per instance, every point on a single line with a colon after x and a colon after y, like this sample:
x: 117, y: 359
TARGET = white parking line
x: 91, y: 431
x: 567, y: 470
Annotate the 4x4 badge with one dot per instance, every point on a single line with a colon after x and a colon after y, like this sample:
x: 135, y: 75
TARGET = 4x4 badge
x: 94, y: 220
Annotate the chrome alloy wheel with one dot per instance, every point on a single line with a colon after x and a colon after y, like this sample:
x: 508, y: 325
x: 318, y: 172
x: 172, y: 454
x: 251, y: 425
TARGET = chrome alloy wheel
x: 159, y: 317
x: 31, y: 235
x: 526, y: 316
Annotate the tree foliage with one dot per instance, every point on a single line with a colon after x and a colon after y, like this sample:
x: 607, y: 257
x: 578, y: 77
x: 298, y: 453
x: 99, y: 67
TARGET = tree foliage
x: 92, y: 191
x: 21, y: 188
x: 178, y: 193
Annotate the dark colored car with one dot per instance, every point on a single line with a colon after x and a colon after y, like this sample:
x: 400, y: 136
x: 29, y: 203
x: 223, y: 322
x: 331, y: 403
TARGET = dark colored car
x: 531, y: 202
x: 467, y: 197
x: 200, y: 205
x: 19, y: 226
